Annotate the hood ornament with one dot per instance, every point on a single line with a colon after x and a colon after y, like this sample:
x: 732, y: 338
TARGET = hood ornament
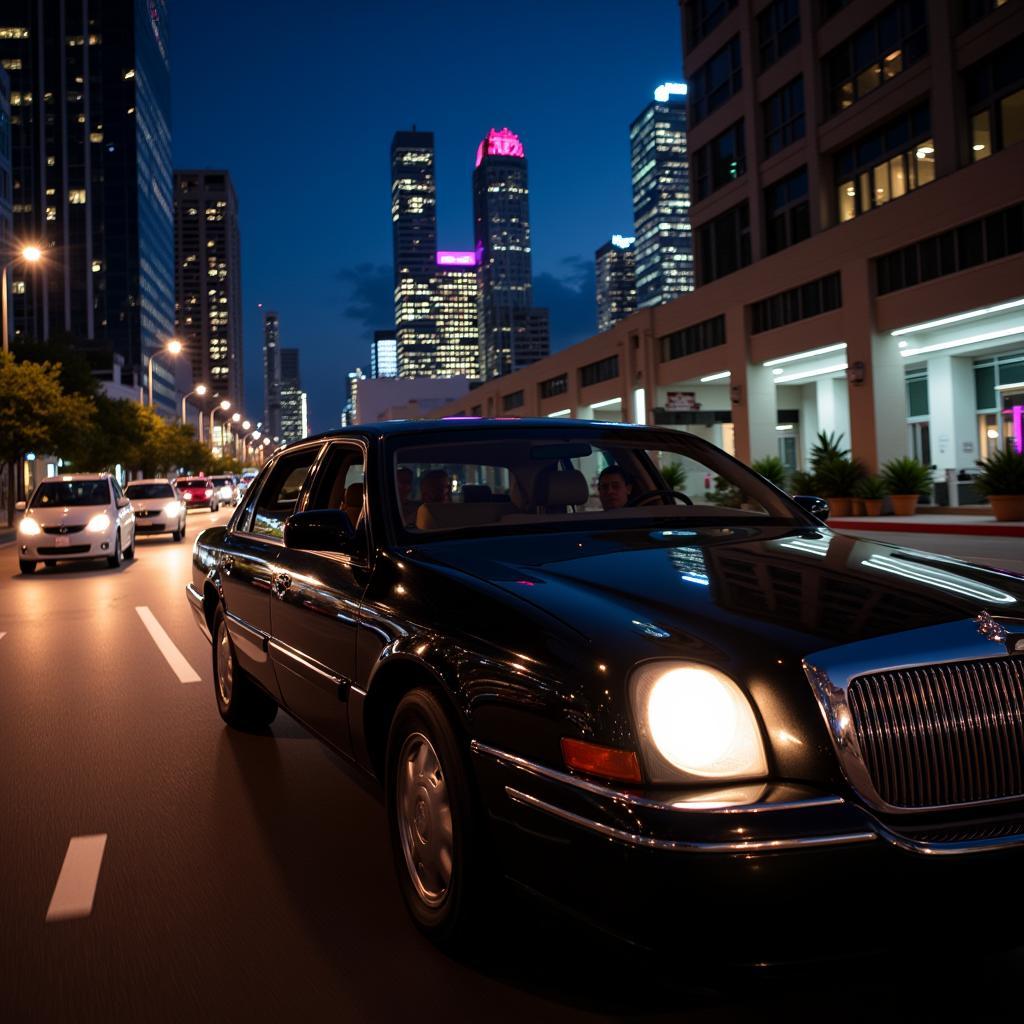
x: 990, y: 629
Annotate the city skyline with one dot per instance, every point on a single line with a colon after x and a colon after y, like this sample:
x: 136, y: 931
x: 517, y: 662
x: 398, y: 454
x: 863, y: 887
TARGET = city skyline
x: 337, y: 236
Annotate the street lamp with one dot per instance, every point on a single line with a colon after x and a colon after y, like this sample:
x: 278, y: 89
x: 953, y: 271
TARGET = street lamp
x: 172, y: 348
x: 30, y: 254
x: 236, y: 417
x: 225, y: 405
x: 200, y: 390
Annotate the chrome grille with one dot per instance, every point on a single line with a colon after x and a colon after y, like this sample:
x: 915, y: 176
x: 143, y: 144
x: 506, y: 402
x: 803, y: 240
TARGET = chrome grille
x: 940, y: 735
x: 63, y: 529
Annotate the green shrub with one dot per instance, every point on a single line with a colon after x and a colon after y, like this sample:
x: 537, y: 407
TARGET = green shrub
x: 802, y: 482
x: 1001, y: 473
x: 907, y: 476
x: 827, y: 449
x: 674, y: 476
x: 871, y: 487
x: 772, y: 468
x: 839, y: 477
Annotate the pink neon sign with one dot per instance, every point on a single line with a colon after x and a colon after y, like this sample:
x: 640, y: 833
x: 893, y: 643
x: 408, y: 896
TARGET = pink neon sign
x: 500, y: 143
x: 450, y: 258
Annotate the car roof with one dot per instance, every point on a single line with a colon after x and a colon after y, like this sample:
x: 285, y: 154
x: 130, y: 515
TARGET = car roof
x: 72, y: 477
x: 149, y: 480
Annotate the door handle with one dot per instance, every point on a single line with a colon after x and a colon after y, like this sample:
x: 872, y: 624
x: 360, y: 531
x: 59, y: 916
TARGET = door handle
x: 227, y: 563
x: 282, y: 581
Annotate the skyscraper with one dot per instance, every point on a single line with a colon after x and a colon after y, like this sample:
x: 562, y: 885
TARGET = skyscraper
x: 616, y: 280
x: 208, y: 279
x: 414, y: 229
x: 92, y: 178
x: 384, y: 354
x: 512, y: 333
x: 455, y: 288
x: 661, y: 198
x: 271, y: 374
x: 294, y: 412
x: 6, y: 218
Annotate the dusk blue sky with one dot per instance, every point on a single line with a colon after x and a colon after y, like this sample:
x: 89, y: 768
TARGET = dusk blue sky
x: 299, y: 102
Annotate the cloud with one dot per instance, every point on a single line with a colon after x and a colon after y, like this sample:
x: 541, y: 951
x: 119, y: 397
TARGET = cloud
x: 369, y: 295
x: 570, y: 298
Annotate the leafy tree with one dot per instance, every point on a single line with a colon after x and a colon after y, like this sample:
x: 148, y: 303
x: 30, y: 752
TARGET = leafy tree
x: 37, y: 415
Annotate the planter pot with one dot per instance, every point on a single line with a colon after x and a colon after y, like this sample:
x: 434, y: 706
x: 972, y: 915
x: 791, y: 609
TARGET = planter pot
x: 857, y: 507
x: 873, y: 506
x: 1007, y: 507
x: 839, y: 507
x: 903, y: 504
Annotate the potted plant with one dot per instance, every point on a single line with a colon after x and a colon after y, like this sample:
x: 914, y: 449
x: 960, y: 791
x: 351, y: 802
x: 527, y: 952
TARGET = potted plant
x: 906, y: 480
x: 872, y: 491
x: 772, y: 468
x: 674, y: 475
x: 837, y: 480
x: 1001, y: 481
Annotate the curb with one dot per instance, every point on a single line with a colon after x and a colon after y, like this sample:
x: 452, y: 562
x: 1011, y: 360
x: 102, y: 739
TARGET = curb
x: 968, y: 529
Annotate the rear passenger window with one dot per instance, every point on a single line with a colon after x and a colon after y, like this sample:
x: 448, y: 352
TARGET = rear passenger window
x: 277, y: 497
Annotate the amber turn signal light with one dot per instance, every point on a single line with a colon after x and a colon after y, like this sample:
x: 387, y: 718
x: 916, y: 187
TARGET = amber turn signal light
x: 607, y: 762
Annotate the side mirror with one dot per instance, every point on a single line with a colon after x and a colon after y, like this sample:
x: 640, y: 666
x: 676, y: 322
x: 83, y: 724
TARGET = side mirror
x: 818, y: 507
x: 20, y: 506
x: 122, y: 502
x: 325, y: 529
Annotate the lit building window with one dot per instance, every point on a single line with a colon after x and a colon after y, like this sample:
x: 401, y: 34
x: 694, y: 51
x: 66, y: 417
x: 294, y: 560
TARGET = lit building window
x: 76, y: 196
x: 994, y: 90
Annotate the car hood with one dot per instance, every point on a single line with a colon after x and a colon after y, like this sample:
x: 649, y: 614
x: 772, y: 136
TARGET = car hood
x: 791, y: 591
x: 67, y: 516
x: 150, y: 504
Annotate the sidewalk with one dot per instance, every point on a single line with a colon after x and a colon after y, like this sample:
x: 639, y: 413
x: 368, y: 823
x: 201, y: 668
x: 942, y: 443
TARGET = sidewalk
x: 974, y: 525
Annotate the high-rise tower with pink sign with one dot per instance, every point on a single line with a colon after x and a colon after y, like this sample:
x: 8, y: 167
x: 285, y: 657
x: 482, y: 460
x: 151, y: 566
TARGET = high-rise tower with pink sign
x: 513, y: 333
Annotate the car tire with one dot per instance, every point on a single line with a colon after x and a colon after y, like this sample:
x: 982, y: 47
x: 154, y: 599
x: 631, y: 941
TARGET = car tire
x: 240, y: 701
x: 129, y: 553
x: 27, y: 566
x: 437, y: 824
x: 177, y: 535
x: 114, y: 560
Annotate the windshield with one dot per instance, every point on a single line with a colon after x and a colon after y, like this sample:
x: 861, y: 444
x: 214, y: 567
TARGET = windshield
x: 140, y: 492
x: 538, y: 478
x: 223, y: 481
x: 203, y: 484
x: 71, y: 493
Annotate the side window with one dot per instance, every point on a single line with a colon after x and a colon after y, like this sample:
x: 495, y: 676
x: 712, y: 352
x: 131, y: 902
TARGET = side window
x: 242, y: 523
x: 117, y: 489
x: 340, y: 483
x: 277, y: 497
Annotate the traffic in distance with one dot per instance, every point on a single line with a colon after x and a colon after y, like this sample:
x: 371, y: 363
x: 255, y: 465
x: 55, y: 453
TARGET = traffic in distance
x: 684, y: 720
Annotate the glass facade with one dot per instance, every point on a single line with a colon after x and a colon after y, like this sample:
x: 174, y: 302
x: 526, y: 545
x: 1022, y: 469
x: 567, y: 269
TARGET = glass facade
x: 95, y: 182
x: 384, y: 354
x: 456, y: 313
x: 661, y: 202
x: 615, y: 272
x: 271, y: 374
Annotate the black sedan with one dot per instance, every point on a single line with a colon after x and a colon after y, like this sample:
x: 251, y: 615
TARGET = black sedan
x: 612, y: 664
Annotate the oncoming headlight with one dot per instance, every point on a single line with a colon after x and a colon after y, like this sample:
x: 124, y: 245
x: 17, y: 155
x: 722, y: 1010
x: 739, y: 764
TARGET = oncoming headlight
x: 172, y: 508
x: 695, y: 722
x: 29, y: 527
x: 99, y: 523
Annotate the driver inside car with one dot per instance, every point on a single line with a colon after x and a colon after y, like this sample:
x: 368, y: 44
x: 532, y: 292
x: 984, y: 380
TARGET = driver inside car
x: 614, y: 487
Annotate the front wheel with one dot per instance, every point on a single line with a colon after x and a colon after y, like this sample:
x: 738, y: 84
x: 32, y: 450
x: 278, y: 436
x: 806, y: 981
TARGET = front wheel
x: 129, y: 553
x: 114, y: 560
x: 27, y: 566
x: 438, y: 837
x: 240, y: 701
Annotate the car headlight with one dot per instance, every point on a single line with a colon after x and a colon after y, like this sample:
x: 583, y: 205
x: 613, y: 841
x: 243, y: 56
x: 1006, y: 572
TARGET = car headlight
x: 99, y: 523
x: 209, y: 492
x: 29, y: 528
x: 172, y: 508
x: 695, y: 723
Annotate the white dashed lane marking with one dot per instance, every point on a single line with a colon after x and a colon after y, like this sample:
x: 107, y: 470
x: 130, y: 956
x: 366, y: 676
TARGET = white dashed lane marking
x: 178, y: 662
x: 76, y: 884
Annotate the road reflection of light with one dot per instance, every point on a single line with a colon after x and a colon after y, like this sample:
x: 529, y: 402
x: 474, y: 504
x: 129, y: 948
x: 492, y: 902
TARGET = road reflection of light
x: 937, y: 578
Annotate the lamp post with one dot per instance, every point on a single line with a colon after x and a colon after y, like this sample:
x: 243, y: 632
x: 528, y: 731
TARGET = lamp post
x: 254, y: 434
x: 30, y: 254
x: 224, y: 405
x: 172, y: 348
x: 200, y: 390
x: 236, y: 418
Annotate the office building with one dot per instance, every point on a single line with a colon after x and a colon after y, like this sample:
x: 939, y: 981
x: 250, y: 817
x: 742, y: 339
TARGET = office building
x: 661, y: 197
x: 294, y: 402
x: 863, y: 273
x: 271, y: 373
x: 512, y: 333
x: 6, y: 217
x: 456, y: 312
x: 414, y: 234
x: 350, y: 410
x: 92, y: 178
x: 384, y: 354
x: 615, y: 274
x: 208, y: 279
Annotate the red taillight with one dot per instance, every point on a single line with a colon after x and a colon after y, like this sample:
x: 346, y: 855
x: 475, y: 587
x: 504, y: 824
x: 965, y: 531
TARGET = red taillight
x: 608, y: 762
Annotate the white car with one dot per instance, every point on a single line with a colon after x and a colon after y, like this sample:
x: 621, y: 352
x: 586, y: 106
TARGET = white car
x: 83, y: 515
x: 226, y: 490
x: 157, y: 506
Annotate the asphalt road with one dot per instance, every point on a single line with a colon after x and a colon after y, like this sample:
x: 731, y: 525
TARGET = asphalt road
x: 248, y: 877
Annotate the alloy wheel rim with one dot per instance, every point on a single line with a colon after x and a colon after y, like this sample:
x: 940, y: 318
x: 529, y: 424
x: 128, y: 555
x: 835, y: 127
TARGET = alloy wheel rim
x: 225, y: 666
x: 424, y: 819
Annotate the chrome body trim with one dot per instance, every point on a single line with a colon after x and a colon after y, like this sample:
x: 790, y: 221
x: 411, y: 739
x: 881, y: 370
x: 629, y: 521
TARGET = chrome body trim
x: 251, y: 642
x: 948, y: 849
x: 195, y: 602
x: 680, y: 846
x: 831, y: 671
x: 308, y: 665
x: 636, y: 800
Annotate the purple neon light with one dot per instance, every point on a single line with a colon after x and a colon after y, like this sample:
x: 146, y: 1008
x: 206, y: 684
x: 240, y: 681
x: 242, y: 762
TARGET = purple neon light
x: 1018, y: 428
x: 453, y: 258
x: 500, y: 143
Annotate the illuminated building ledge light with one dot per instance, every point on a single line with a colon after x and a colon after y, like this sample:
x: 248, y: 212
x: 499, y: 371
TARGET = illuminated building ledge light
x: 974, y: 339
x: 973, y: 314
x: 838, y: 347
x: 669, y: 89
x: 716, y: 376
x: 623, y: 241
x: 500, y: 143
x: 454, y: 258
x: 807, y: 374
